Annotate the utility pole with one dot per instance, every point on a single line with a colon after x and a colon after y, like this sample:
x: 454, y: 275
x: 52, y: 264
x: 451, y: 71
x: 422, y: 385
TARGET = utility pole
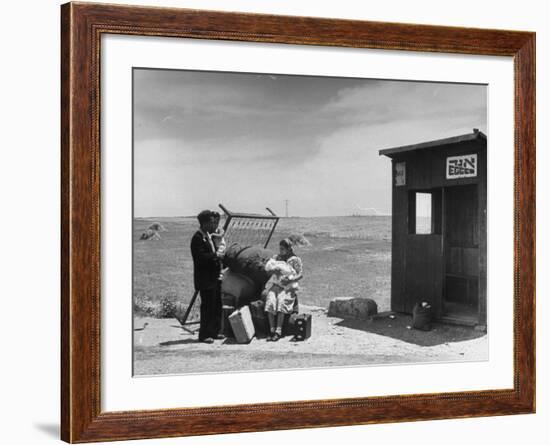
x: 286, y: 208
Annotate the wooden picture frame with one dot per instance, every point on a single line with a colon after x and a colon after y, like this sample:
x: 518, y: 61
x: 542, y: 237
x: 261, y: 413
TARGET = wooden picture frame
x: 82, y: 26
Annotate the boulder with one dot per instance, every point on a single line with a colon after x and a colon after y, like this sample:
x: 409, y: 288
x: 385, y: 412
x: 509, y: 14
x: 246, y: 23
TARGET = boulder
x: 349, y: 307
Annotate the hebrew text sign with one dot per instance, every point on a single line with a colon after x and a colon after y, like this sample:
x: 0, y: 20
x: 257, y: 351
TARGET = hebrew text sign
x: 464, y: 166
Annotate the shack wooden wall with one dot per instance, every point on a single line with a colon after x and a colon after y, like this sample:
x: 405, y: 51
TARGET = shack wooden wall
x: 426, y: 170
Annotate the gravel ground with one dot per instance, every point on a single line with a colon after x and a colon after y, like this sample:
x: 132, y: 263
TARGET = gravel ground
x: 163, y: 347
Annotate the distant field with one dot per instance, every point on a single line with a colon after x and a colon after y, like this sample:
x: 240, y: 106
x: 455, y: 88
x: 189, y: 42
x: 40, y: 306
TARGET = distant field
x: 348, y: 257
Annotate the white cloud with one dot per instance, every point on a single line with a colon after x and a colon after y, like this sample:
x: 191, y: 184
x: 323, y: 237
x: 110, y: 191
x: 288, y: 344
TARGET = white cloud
x: 324, y: 160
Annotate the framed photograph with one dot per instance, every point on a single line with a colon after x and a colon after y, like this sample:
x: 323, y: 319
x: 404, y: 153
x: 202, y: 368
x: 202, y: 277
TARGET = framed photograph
x: 274, y: 222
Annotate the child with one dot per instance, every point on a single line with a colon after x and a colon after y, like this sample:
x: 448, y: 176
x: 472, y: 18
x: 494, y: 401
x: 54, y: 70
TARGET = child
x: 282, y: 275
x: 282, y: 287
x: 218, y: 241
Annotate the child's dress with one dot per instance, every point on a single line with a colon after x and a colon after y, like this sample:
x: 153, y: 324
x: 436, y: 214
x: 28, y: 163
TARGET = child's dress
x: 219, y: 243
x: 281, y: 297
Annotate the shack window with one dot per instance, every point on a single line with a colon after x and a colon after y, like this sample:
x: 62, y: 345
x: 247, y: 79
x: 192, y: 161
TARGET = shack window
x: 423, y: 220
x: 425, y: 212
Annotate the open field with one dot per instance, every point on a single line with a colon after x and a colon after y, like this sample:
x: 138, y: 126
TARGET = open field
x: 348, y: 257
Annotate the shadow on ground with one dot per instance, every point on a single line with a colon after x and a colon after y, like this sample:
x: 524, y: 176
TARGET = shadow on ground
x: 400, y: 328
x: 179, y: 342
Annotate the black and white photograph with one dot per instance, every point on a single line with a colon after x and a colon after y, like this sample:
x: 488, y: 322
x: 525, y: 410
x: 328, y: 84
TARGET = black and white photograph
x: 292, y: 222
x: 277, y: 222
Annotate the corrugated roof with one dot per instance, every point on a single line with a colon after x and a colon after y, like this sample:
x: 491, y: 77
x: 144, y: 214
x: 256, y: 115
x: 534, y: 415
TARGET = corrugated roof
x: 476, y: 134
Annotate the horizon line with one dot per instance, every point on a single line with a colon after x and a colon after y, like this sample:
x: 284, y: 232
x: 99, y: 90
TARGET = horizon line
x: 280, y: 217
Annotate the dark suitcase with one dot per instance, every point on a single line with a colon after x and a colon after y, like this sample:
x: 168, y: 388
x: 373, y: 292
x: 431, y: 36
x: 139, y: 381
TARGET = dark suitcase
x: 289, y: 325
x: 303, y: 327
x: 259, y: 318
x: 299, y: 326
x: 226, y: 326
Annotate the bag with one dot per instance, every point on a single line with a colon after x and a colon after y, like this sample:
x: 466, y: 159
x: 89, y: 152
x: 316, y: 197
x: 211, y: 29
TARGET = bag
x: 241, y: 324
x: 422, y: 317
x: 259, y: 318
x: 237, y: 289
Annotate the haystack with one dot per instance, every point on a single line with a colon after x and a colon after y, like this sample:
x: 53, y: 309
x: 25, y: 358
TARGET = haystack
x: 299, y: 240
x: 157, y: 227
x: 150, y: 234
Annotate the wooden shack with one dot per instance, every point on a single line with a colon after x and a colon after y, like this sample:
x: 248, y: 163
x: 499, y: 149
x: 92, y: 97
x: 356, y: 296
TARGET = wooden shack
x: 439, y: 227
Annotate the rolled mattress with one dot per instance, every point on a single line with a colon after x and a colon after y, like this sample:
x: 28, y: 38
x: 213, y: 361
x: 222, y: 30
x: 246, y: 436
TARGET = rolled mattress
x: 249, y: 261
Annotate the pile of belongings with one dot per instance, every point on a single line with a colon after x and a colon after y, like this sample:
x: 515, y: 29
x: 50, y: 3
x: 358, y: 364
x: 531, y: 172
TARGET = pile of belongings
x: 244, y: 278
x: 251, y: 320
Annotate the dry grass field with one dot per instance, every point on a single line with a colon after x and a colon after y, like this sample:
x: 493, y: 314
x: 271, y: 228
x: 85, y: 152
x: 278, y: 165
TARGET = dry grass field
x: 348, y: 257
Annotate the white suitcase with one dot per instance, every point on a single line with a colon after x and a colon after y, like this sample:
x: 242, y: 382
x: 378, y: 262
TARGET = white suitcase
x: 241, y: 324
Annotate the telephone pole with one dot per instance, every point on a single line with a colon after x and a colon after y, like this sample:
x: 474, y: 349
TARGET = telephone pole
x: 286, y: 208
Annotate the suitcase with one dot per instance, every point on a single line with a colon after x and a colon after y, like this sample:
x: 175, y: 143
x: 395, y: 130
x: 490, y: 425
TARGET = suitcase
x: 303, y: 327
x: 226, y: 326
x: 241, y: 324
x: 289, y: 325
x: 298, y: 325
x: 259, y: 318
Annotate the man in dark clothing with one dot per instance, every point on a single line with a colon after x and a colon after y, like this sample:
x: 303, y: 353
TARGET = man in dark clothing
x: 207, y: 266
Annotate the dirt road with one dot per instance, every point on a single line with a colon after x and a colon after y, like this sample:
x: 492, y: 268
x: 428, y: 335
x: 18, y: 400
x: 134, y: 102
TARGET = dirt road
x: 163, y: 347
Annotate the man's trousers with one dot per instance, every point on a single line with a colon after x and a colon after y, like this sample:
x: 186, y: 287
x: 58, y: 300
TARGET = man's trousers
x: 211, y: 311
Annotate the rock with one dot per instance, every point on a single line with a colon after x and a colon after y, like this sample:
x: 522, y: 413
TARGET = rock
x: 360, y: 308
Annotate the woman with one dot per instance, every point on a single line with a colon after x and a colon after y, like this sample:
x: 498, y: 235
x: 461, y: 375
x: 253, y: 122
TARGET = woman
x: 282, y: 287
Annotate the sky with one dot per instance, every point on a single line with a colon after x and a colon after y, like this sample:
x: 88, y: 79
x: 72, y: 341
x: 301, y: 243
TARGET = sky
x: 251, y: 141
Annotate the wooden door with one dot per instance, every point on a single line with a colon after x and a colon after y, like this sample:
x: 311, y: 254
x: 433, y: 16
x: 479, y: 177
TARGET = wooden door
x: 424, y: 271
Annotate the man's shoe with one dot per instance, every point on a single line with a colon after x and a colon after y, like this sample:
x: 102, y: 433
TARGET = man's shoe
x: 220, y: 337
x: 208, y: 340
